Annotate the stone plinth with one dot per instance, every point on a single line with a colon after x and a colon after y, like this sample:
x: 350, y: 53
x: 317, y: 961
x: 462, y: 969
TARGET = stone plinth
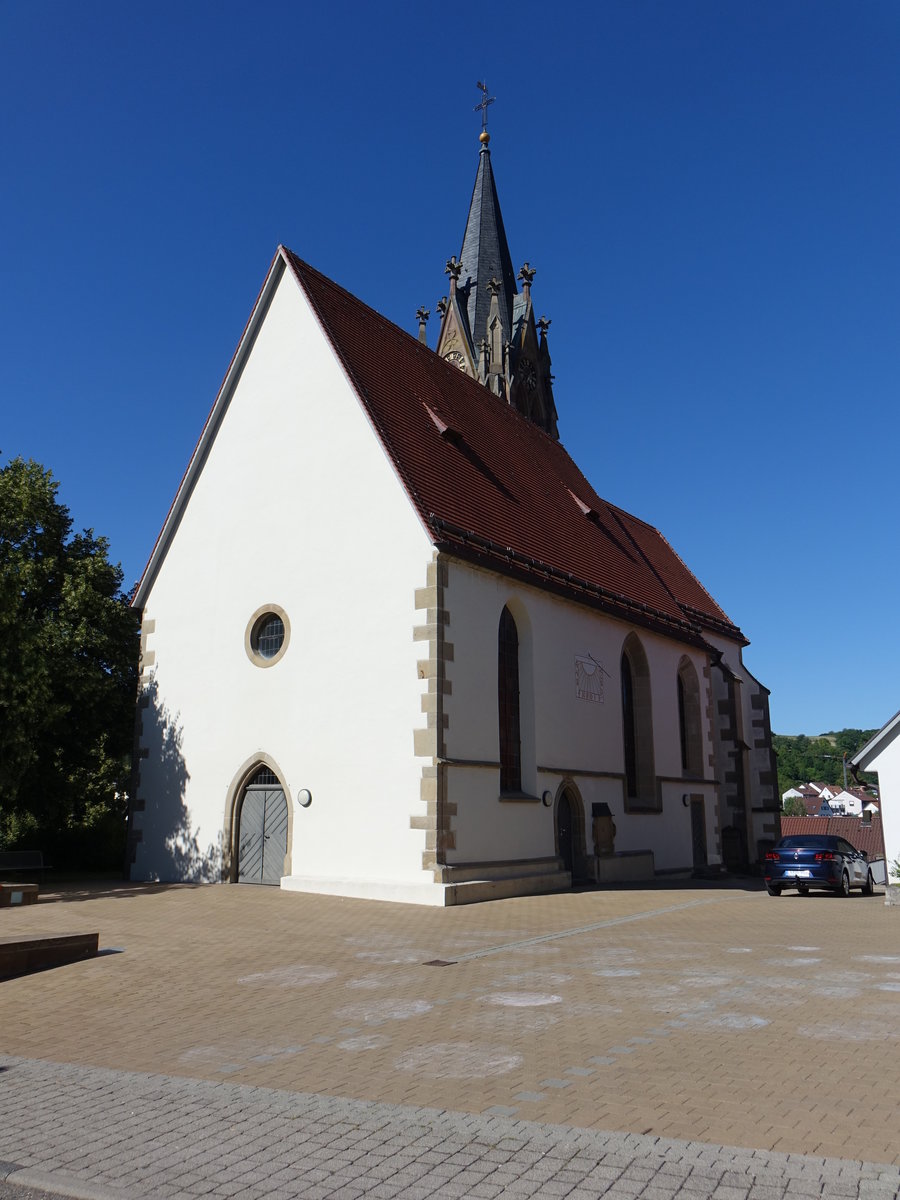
x: 18, y: 893
x: 625, y: 866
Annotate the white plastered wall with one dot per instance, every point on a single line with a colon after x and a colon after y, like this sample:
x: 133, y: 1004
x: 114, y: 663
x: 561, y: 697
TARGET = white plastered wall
x: 297, y: 506
x: 563, y: 737
x: 886, y: 761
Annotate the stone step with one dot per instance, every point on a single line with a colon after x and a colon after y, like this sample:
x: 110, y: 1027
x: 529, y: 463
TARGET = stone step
x: 472, y: 891
x: 515, y: 869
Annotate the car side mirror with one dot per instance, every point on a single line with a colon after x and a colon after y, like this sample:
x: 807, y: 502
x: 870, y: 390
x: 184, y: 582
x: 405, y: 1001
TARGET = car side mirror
x: 864, y: 855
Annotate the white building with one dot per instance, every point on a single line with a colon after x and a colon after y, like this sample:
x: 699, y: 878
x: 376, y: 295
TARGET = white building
x: 882, y: 754
x: 395, y: 645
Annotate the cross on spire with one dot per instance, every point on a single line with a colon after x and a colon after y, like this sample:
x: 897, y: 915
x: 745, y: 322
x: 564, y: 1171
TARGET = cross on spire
x: 483, y: 106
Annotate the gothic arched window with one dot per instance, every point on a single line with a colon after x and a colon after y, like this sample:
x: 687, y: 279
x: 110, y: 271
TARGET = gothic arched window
x: 508, y: 704
x: 637, y: 727
x: 689, y: 725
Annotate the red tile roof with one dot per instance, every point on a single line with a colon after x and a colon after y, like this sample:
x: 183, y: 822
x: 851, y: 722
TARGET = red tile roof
x: 864, y: 837
x: 813, y: 804
x: 493, y: 488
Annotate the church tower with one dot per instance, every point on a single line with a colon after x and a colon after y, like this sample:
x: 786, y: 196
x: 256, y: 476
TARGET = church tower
x: 488, y: 328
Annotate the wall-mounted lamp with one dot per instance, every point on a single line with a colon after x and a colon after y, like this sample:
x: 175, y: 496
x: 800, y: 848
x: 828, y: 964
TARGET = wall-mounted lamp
x: 304, y: 798
x: 686, y: 800
x: 547, y: 799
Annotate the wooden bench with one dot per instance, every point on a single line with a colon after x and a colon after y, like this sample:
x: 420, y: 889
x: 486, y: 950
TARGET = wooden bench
x: 22, y: 862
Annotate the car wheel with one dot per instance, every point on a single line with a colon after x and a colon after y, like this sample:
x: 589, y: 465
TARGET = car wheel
x: 845, y: 885
x: 803, y: 889
x: 869, y: 885
x: 774, y: 889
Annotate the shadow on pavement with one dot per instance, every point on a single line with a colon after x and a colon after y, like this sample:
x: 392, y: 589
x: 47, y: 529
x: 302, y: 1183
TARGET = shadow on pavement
x: 69, y: 893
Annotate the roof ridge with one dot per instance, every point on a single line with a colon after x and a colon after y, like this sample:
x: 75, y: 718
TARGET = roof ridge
x: 724, y: 619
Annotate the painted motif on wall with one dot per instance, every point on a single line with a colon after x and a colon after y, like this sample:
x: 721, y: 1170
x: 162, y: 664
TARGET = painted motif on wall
x: 589, y: 678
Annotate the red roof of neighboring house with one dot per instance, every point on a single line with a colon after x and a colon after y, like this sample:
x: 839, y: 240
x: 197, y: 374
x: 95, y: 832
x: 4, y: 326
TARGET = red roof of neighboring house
x: 865, y: 794
x: 868, y: 837
x: 493, y: 488
x: 813, y: 804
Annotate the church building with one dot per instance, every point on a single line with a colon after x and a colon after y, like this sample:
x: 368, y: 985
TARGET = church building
x: 394, y: 644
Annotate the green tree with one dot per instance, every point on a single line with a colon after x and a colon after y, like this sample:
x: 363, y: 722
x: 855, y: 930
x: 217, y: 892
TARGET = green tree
x: 68, y: 666
x: 794, y: 807
x: 802, y: 759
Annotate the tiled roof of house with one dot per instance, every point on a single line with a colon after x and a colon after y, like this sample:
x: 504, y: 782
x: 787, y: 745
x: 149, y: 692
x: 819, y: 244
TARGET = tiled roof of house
x: 863, y: 793
x: 813, y: 805
x: 493, y: 488
x: 868, y: 837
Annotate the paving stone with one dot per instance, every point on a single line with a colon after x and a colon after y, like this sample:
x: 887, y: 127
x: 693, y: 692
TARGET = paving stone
x: 139, y: 1118
x: 801, y: 1186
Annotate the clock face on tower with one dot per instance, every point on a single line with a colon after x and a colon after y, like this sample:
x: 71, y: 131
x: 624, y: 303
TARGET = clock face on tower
x: 456, y: 358
x: 527, y: 373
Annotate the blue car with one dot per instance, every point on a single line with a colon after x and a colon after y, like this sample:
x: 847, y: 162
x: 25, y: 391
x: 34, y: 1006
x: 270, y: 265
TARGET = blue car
x: 817, y: 860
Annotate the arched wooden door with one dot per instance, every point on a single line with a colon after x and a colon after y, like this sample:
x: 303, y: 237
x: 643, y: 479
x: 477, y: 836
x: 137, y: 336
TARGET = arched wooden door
x: 262, y: 830
x: 565, y: 831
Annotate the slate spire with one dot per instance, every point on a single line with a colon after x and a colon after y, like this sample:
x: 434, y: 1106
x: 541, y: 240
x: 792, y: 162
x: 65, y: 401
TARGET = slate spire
x: 488, y: 328
x: 485, y: 254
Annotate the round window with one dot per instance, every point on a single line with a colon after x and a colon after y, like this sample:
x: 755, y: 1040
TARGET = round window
x: 267, y: 635
x: 270, y: 636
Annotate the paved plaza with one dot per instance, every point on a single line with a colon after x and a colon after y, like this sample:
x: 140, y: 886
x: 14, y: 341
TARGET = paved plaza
x: 660, y: 1042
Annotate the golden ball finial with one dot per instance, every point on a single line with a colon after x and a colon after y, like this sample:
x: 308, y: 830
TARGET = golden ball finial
x: 484, y: 137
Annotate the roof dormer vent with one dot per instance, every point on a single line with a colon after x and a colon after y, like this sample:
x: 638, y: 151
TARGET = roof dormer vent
x: 595, y: 519
x: 441, y: 426
x: 585, y: 508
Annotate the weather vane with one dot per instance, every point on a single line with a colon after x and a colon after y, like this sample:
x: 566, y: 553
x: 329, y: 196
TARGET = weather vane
x: 485, y: 101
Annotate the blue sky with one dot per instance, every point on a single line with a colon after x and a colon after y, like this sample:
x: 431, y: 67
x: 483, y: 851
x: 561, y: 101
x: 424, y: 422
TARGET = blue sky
x: 707, y: 188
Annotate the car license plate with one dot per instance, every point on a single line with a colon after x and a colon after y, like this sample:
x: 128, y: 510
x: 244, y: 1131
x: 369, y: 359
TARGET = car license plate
x: 798, y: 874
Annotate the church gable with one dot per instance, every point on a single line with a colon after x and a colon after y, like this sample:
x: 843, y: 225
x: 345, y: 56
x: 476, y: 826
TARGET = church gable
x: 284, y: 420
x: 454, y: 345
x: 291, y: 525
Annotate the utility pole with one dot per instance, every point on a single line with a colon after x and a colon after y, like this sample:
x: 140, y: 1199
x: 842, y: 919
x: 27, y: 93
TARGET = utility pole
x: 844, y: 761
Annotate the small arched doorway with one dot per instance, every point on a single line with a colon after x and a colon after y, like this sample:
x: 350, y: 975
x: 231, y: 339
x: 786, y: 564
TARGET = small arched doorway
x: 566, y: 831
x: 262, y: 833
x: 569, y: 828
